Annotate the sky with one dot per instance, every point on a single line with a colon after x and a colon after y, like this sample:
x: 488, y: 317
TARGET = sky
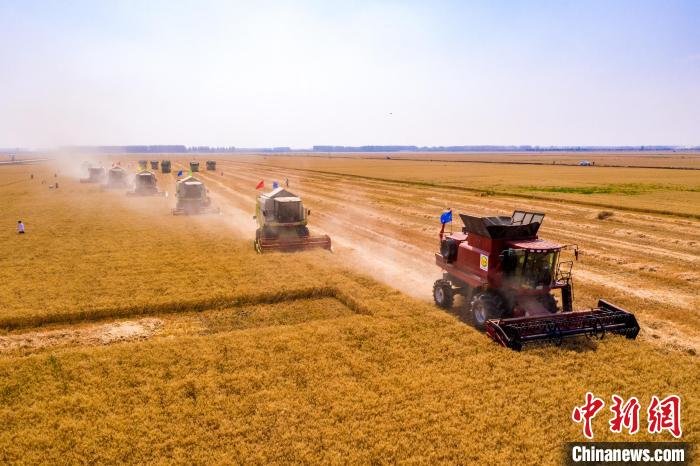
x: 300, y: 73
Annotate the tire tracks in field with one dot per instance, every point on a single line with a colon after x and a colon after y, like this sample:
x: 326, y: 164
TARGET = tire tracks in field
x: 365, y: 247
x: 495, y: 193
x: 403, y: 238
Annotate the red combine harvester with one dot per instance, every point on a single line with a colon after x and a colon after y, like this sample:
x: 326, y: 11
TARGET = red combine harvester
x: 508, y: 276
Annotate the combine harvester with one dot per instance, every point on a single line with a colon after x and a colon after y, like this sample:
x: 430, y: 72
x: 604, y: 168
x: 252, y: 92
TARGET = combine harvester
x: 507, y: 275
x: 165, y: 166
x: 95, y: 175
x: 211, y: 165
x: 116, y: 178
x: 282, y: 220
x: 145, y: 185
x: 194, y: 166
x: 192, y: 198
x: 154, y: 165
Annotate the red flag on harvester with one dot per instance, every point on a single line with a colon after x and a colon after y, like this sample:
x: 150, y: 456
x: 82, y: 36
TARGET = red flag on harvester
x: 260, y: 185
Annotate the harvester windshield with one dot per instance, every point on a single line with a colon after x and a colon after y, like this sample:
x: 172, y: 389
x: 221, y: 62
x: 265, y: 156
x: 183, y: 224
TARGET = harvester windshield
x: 192, y: 189
x: 96, y: 172
x: 289, y: 210
x: 145, y: 179
x: 116, y: 174
x: 529, y: 267
x: 536, y: 268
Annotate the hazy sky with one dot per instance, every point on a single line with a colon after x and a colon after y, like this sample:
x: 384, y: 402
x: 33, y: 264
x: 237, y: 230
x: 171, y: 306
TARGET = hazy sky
x: 298, y: 73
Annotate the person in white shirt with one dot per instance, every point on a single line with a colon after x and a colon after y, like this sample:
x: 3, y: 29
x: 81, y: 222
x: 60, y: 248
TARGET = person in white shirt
x: 20, y: 227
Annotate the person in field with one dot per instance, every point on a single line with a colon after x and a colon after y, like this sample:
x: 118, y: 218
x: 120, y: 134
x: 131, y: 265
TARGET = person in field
x: 20, y: 227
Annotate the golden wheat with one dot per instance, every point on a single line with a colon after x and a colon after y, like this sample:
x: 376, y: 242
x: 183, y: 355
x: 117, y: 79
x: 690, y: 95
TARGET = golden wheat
x: 275, y: 358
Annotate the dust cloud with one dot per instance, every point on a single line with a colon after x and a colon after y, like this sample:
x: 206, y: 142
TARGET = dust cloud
x: 355, y: 233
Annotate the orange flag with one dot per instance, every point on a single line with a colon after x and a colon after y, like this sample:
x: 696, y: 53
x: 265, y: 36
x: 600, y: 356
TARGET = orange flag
x: 260, y: 185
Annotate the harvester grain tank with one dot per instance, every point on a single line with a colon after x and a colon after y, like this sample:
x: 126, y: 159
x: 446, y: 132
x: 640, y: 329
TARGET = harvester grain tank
x: 192, y: 198
x: 154, y: 165
x: 145, y: 184
x: 211, y: 165
x: 508, y: 277
x: 165, y: 166
x: 116, y: 178
x: 282, y: 220
x: 194, y: 166
x: 95, y: 175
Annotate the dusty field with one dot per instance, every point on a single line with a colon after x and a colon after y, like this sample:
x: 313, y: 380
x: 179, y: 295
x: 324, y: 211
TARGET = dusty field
x: 131, y: 335
x: 646, y: 262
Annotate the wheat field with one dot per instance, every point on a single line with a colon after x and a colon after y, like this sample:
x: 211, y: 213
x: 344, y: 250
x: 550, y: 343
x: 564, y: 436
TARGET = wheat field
x: 131, y: 335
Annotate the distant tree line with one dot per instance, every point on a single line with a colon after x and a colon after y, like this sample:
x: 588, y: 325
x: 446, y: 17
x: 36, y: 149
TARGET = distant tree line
x: 176, y: 148
x: 210, y: 149
x: 491, y: 148
x: 142, y: 149
x: 181, y: 149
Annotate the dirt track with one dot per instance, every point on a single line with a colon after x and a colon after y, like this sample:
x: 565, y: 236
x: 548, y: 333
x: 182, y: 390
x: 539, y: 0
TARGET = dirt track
x: 95, y: 334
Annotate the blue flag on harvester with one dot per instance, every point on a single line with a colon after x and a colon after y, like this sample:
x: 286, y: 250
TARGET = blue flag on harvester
x: 179, y: 173
x: 446, y: 217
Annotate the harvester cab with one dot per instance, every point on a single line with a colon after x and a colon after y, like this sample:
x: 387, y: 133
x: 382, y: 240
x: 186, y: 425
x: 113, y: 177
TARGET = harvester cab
x: 194, y: 166
x: 508, y: 276
x: 154, y: 165
x: 145, y: 185
x: 282, y: 220
x: 165, y: 166
x: 95, y: 175
x: 211, y: 165
x: 116, y: 178
x: 192, y: 198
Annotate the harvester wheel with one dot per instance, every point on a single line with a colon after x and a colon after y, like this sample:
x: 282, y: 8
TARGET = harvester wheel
x: 443, y: 294
x: 486, y: 305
